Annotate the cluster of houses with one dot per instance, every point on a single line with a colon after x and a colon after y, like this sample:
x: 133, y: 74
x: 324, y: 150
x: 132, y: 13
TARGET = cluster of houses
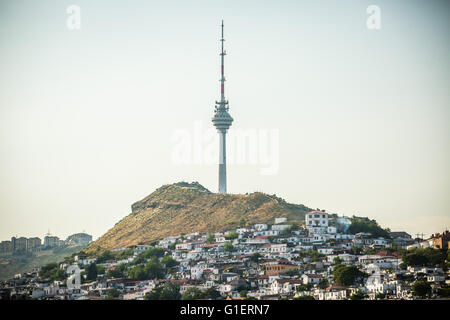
x: 277, y: 261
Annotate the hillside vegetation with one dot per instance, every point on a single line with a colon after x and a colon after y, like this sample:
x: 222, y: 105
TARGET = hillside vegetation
x: 183, y: 208
x: 11, y: 265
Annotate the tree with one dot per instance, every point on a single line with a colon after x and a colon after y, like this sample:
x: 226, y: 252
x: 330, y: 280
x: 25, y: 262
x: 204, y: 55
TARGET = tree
x: 192, y: 293
x: 138, y: 273
x: 255, y: 257
x: 211, y: 293
x: 304, y: 287
x: 380, y: 296
x: 113, y: 293
x: 369, y: 226
x: 125, y: 254
x: 169, y: 262
x: 100, y: 270
x: 154, y: 269
x: 323, y: 283
x: 211, y: 238
x: 358, y: 295
x: 356, y: 250
x: 346, y: 275
x: 171, y: 291
x: 48, y: 270
x: 421, y: 289
x: 232, y: 235
x: 154, y: 294
x: 427, y: 257
x: 243, y: 293
x: 337, y: 260
x: 228, y: 247
x: 92, y: 272
x: 52, y: 271
x: 154, y: 252
x: 443, y: 292
x: 114, y: 273
x: 105, y: 256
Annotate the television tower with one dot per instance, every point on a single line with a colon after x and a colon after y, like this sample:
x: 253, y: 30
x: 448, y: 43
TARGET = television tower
x: 222, y: 121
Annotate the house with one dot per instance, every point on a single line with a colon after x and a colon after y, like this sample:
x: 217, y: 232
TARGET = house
x: 225, y: 288
x: 275, y: 268
x: 436, y: 278
x: 331, y: 230
x: 280, y: 220
x: 316, y: 222
x: 380, y: 242
x: 345, y: 257
x: 278, y: 248
x: 284, y: 285
x: 258, y: 240
x: 330, y: 250
x: 267, y: 233
x: 260, y: 227
x: 280, y: 227
x: 440, y: 241
x: 333, y: 292
x: 311, y: 278
x: 166, y: 242
x: 400, y: 235
x: 134, y: 294
x: 183, y: 246
x: 220, y: 239
x: 229, y: 276
x: 263, y: 280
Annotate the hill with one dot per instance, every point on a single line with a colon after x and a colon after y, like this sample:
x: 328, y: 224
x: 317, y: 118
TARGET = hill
x: 183, y: 208
x: 11, y: 265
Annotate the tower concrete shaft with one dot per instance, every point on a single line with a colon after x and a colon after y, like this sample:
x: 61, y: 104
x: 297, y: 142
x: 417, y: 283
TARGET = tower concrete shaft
x: 222, y: 121
x: 222, y: 163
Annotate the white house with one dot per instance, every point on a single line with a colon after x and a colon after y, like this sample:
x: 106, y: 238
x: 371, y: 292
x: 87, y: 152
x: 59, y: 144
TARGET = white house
x: 184, y: 246
x: 284, y: 285
x: 268, y: 233
x: 166, y: 242
x: 280, y: 227
x: 316, y: 222
x: 258, y: 240
x: 331, y: 230
x: 280, y: 220
x: 278, y: 248
x: 311, y: 278
x: 334, y: 293
x: 220, y: 239
x: 260, y: 227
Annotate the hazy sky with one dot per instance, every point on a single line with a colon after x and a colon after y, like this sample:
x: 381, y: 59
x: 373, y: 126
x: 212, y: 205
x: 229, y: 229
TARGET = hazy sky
x: 87, y: 117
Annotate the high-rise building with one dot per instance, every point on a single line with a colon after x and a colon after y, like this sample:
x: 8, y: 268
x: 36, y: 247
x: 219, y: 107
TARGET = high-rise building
x: 6, y: 248
x: 19, y: 244
x: 33, y: 244
x: 51, y: 241
x: 222, y: 121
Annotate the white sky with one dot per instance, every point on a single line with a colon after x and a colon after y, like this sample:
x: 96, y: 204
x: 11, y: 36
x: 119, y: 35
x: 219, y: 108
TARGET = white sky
x: 87, y: 117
